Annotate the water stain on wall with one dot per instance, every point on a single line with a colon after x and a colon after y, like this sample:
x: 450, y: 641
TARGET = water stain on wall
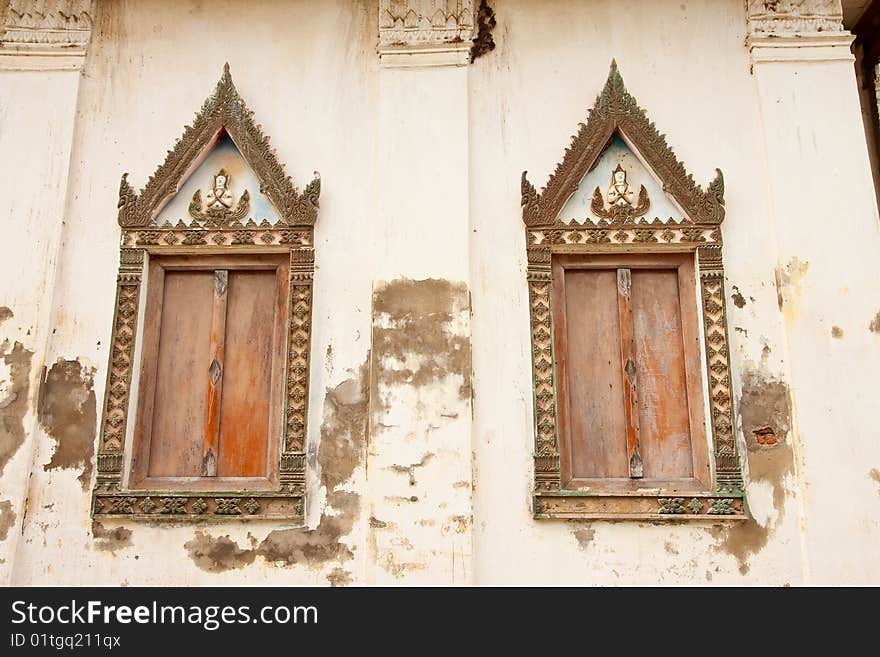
x: 13, y: 399
x: 7, y: 518
x: 874, y: 326
x: 414, y: 328
x: 218, y: 554
x: 765, y: 420
x: 5, y: 313
x: 340, y: 452
x: 339, y: 577
x: 788, y: 281
x: 874, y: 474
x: 110, y: 540
x: 68, y: 413
x: 584, y: 536
x: 738, y: 299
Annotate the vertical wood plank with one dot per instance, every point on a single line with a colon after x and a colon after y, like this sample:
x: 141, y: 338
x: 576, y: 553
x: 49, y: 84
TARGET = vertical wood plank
x: 660, y: 359
x: 595, y: 413
x: 244, y: 413
x: 628, y: 371
x: 178, y: 425
x: 216, y: 363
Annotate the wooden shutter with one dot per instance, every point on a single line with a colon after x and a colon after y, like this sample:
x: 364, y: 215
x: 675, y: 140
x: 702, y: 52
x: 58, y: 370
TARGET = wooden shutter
x: 628, y: 367
x: 210, y: 385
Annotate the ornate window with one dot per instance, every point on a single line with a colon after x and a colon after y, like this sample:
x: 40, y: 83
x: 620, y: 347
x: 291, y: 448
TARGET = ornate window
x: 206, y: 402
x: 628, y: 324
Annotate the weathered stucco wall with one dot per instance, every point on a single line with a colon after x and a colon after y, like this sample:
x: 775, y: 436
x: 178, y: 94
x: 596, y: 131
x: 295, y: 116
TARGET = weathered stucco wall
x: 420, y: 430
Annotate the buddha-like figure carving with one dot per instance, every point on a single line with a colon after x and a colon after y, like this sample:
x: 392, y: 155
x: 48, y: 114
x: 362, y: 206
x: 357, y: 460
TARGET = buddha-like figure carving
x: 219, y: 197
x: 618, y: 192
x: 219, y: 208
x: 621, y: 207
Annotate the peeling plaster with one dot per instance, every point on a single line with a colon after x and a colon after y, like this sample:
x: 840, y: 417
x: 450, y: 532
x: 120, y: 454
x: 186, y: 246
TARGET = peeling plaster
x: 788, y: 281
x: 68, y: 413
x: 339, y: 577
x: 584, y: 536
x: 836, y: 332
x: 874, y: 326
x: 7, y: 518
x: 14, y: 388
x: 413, y: 331
x: 110, y: 540
x: 738, y: 299
x: 765, y: 420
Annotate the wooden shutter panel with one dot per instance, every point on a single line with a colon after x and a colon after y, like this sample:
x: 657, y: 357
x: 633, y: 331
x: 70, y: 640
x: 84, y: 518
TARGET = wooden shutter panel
x: 597, y: 420
x: 627, y: 357
x: 212, y: 371
x: 244, y: 412
x: 178, y: 409
x: 664, y: 424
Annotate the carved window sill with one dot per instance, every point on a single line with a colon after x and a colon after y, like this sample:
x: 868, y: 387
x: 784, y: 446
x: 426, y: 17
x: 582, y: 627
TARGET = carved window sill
x: 195, y: 506
x: 640, y: 505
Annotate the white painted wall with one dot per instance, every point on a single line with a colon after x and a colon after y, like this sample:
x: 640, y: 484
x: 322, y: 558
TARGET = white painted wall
x: 420, y: 179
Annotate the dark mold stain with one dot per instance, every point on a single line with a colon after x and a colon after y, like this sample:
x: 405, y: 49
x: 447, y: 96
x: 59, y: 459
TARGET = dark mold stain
x: 5, y: 313
x: 584, y: 537
x: 874, y: 326
x: 13, y: 401
x: 410, y: 469
x: 68, y: 413
x: 341, y: 450
x: 375, y: 523
x: 455, y: 525
x: 765, y: 419
x: 339, y: 577
x: 418, y: 312
x: 738, y: 299
x: 7, y: 518
x: 483, y: 42
x: 788, y: 280
x: 217, y: 555
x: 836, y: 332
x: 110, y: 540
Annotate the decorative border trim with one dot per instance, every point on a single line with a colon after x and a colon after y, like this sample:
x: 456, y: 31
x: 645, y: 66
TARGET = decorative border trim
x: 641, y: 507
x: 294, y: 233
x: 617, y: 111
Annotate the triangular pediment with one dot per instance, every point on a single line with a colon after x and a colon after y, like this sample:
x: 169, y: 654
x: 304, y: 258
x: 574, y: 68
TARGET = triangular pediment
x: 223, y: 129
x: 617, y: 131
x: 243, y: 201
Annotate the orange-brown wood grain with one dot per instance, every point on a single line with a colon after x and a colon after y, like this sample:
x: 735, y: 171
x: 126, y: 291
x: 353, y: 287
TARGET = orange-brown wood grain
x: 215, y: 374
x: 662, y: 385
x: 244, y: 412
x: 178, y: 418
x: 629, y: 372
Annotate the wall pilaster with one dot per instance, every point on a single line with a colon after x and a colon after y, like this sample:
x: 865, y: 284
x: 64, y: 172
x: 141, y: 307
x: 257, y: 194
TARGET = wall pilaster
x: 821, y: 190
x: 42, y: 49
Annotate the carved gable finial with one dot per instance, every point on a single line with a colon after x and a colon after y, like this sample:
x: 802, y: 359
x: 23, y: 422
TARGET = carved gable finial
x: 223, y: 111
x: 616, y: 111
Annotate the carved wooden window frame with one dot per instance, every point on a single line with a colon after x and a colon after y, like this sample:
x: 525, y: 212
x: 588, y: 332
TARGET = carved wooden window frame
x: 616, y: 112
x: 224, y: 113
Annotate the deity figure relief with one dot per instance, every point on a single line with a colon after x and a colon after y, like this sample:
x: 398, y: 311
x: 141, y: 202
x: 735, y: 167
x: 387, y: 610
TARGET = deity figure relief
x: 620, y: 199
x: 619, y: 192
x: 219, y: 196
x: 220, y: 208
